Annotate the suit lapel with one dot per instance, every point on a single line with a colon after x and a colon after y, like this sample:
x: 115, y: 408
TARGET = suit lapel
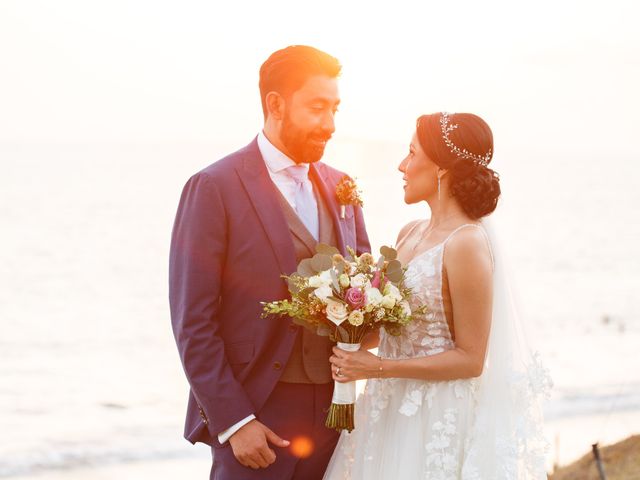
x: 321, y: 182
x: 263, y: 195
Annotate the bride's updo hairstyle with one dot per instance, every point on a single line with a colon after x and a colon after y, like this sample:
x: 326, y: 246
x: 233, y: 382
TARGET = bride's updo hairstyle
x: 462, y: 143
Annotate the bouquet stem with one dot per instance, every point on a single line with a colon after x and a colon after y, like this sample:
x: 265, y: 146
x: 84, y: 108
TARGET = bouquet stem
x: 340, y: 417
x: 341, y: 412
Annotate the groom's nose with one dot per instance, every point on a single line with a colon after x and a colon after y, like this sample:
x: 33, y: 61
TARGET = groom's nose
x: 328, y: 123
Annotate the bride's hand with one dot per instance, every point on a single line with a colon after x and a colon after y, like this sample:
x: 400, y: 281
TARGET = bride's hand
x: 352, y: 366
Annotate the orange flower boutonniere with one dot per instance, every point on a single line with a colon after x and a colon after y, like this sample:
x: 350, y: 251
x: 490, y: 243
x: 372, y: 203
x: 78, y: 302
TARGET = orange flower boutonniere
x: 348, y: 194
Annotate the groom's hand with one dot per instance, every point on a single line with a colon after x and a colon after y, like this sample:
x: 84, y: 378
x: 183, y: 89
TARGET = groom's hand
x: 250, y: 447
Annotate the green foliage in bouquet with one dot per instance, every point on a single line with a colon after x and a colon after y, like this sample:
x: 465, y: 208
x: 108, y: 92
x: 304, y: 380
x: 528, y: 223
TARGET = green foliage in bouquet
x: 345, y: 298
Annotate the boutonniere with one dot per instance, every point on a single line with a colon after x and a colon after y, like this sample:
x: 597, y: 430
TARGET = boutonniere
x: 348, y: 194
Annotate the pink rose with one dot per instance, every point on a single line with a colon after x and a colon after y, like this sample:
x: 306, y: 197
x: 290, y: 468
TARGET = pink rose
x: 355, y: 297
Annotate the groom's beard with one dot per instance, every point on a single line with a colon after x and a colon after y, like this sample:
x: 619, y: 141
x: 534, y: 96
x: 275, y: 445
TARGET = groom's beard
x: 304, y: 147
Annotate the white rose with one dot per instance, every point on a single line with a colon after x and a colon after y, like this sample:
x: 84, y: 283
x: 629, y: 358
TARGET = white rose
x: 374, y: 297
x: 391, y: 290
x: 356, y: 318
x: 388, y: 302
x: 322, y: 279
x: 360, y: 281
x: 323, y: 292
x: 336, y: 312
x: 325, y: 276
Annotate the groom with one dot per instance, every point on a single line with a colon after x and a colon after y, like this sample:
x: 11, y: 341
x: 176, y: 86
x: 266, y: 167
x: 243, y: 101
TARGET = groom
x: 260, y: 387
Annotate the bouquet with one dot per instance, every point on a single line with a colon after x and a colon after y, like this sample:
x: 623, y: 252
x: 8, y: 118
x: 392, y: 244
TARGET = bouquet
x: 345, y: 298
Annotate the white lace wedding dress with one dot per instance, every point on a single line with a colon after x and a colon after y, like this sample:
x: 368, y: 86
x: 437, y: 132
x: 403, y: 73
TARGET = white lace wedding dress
x: 410, y: 429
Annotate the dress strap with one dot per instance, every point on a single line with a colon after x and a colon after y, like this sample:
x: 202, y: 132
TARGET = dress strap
x: 484, y: 234
x: 407, y: 235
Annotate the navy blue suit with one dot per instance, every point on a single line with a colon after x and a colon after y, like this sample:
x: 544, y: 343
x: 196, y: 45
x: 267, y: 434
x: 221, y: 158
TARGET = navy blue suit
x: 230, y: 244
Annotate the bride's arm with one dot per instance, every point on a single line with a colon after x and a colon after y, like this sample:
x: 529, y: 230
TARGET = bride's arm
x: 469, y: 268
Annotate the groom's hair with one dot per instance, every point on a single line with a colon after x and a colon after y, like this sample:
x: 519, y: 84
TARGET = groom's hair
x: 288, y: 69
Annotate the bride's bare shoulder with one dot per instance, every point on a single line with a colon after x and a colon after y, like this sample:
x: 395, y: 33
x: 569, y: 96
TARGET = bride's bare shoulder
x: 468, y: 246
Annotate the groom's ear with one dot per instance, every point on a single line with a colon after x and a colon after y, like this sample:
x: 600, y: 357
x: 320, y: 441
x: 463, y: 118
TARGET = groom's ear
x: 275, y: 105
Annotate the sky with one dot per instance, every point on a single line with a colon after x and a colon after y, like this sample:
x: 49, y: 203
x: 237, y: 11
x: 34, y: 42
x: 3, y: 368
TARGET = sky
x: 545, y: 74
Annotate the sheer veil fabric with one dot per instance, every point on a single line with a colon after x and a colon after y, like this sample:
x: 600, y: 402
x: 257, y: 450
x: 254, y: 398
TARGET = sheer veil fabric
x: 507, y: 438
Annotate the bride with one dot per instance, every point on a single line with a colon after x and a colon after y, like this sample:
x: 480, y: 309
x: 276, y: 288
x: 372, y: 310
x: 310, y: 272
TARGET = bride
x: 456, y: 395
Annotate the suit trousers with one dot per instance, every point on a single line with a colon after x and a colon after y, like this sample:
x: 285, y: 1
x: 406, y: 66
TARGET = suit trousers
x: 296, y: 412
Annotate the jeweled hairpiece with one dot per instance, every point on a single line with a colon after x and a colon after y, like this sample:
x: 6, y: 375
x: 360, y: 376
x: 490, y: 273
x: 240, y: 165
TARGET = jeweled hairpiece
x: 447, y: 127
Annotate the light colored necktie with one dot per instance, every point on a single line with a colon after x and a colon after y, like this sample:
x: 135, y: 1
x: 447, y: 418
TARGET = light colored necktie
x: 305, y: 203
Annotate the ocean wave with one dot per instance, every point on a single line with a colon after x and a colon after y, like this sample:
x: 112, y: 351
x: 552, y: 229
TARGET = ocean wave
x: 81, y: 455
x: 583, y: 402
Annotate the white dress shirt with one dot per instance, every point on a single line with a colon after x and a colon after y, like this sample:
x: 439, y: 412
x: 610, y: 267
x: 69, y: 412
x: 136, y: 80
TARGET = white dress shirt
x: 277, y: 163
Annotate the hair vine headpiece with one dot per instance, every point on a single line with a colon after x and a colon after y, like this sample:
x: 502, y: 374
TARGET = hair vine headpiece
x: 447, y: 127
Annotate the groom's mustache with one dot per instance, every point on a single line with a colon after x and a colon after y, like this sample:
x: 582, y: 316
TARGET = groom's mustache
x: 323, y: 137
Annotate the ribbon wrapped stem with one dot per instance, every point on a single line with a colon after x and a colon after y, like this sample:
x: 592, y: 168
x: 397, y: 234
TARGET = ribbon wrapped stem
x: 341, y: 412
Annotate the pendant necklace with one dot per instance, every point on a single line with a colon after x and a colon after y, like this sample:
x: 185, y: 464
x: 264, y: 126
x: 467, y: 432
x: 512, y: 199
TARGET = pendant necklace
x: 426, y: 231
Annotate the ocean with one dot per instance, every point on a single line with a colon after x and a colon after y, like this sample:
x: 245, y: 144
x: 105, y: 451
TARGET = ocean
x: 90, y: 372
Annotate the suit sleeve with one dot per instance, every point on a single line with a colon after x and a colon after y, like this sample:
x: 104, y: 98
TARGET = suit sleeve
x: 196, y: 262
x: 362, y: 239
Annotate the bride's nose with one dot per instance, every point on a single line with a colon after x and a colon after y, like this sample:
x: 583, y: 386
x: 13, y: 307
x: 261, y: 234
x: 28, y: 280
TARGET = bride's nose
x: 403, y: 165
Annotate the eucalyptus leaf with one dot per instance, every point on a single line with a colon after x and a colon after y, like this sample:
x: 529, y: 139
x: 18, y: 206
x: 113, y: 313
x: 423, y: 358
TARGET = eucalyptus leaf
x: 394, y: 271
x: 326, y: 249
x: 394, y: 265
x: 324, y: 330
x: 305, y: 268
x: 343, y: 334
x: 388, y: 252
x: 321, y: 262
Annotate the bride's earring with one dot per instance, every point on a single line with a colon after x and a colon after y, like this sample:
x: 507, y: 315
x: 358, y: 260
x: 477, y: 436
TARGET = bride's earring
x: 438, y: 188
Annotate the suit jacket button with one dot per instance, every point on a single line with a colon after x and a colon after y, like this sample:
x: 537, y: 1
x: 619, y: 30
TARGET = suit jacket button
x: 277, y: 365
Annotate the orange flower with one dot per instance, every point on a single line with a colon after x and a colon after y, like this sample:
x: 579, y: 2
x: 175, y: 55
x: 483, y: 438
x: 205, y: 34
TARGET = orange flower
x: 348, y: 194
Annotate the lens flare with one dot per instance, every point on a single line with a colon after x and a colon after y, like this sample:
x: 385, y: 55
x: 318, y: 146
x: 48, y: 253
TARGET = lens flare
x: 302, y: 447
